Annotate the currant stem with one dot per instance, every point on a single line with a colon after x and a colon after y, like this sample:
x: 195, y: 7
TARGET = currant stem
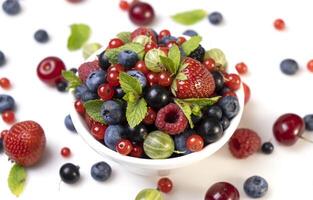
x: 306, y: 139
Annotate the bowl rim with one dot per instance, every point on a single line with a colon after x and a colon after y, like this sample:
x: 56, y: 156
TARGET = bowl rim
x: 168, y: 163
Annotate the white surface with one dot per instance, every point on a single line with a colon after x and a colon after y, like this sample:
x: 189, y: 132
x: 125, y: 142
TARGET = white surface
x: 247, y: 35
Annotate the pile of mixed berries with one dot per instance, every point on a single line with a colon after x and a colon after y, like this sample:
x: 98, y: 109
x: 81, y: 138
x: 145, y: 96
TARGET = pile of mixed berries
x: 155, y: 96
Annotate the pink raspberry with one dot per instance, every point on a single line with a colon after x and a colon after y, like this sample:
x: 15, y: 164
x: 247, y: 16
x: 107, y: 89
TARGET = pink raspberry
x: 171, y: 119
x: 86, y: 68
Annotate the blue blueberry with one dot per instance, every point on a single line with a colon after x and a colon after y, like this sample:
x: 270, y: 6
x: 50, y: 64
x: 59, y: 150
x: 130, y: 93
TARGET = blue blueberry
x: 267, y: 148
x: 128, y: 58
x: 89, y: 96
x: 95, y: 79
x: 101, y: 171
x: 180, y: 142
x: 139, y: 76
x: 113, y: 134
x: 225, y: 122
x: 62, y: 85
x: 6, y: 103
x: 214, y: 111
x: 112, y: 112
x: 69, y: 123
x: 308, y: 120
x: 255, y: 187
x: 103, y: 61
x: 167, y: 39
x: 289, y: 66
x: 79, y: 91
x: 190, y: 33
x: 41, y: 36
x: 11, y: 7
x: 230, y: 106
x: 2, y: 58
x: 215, y: 18
x: 136, y: 134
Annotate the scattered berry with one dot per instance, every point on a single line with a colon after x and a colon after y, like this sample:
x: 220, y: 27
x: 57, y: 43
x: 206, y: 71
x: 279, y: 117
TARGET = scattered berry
x: 247, y: 92
x: 309, y: 65
x: 98, y: 131
x: 195, y: 143
x: 69, y: 123
x: 49, y: 70
x: 124, y: 147
x: 105, y: 92
x: 79, y: 106
x: 8, y: 117
x: 241, y: 68
x: 65, y: 152
x: 41, y: 36
x: 115, y: 43
x: 267, y: 148
x: 124, y: 5
x: 255, y: 187
x: 6, y: 103
x: 101, y: 171
x: 62, y: 85
x: 215, y: 18
x: 289, y: 66
x: 190, y: 33
x: 232, y: 81
x: 69, y: 173
x: 141, y: 13
x: 279, y: 24
x: 2, y: 58
x: 5, y: 83
x: 165, y: 185
x: 222, y: 191
x: 308, y: 120
x: 11, y: 7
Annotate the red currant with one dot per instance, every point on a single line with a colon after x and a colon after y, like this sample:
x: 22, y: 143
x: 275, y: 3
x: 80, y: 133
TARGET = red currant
x: 195, y: 143
x: 150, y: 116
x: 5, y: 83
x: 165, y: 49
x: 105, y: 92
x: 279, y: 24
x: 49, y: 70
x: 241, y: 68
x: 141, y: 13
x: 115, y: 43
x: 165, y: 185
x: 124, y: 147
x: 8, y: 117
x: 233, y: 81
x: 98, y: 131
x: 165, y: 79
x: 209, y: 64
x: 170, y: 44
x: 310, y: 65
x: 65, y: 152
x: 150, y: 46
x: 247, y: 92
x: 115, y: 68
x: 181, y: 40
x: 288, y: 128
x: 141, y: 66
x: 79, y: 107
x: 113, y: 78
x: 222, y: 191
x: 137, y: 151
x: 153, y: 78
x: 164, y: 33
x: 124, y: 5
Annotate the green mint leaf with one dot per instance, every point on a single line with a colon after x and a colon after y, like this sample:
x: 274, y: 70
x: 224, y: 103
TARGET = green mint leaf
x: 80, y: 33
x: 89, y: 49
x: 17, y: 179
x: 142, y: 39
x: 190, y: 17
x: 185, y: 107
x: 130, y: 97
x: 93, y: 108
x: 196, y: 110
x: 191, y: 44
x: 168, y: 64
x: 202, y: 101
x: 112, y: 54
x: 217, y: 55
x: 136, y: 112
x: 174, y: 55
x: 124, y: 36
x: 72, y: 79
x: 130, y: 84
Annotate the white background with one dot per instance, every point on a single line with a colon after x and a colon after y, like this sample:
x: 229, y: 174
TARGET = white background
x: 247, y: 35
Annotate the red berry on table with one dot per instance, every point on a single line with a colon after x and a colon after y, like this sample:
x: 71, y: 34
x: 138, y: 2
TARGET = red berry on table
x: 164, y: 33
x: 222, y: 191
x: 209, y: 64
x: 150, y: 46
x: 124, y: 147
x: 310, y: 65
x: 195, y: 143
x: 165, y: 79
x: 181, y: 40
x: 105, y: 92
x: 232, y: 81
x: 150, y: 116
x: 137, y: 151
x: 288, y: 128
x: 141, y: 13
x: 8, y: 117
x: 124, y: 5
x: 65, y: 152
x: 79, y: 107
x: 49, y: 70
x: 279, y: 24
x: 115, y: 43
x: 241, y: 68
x: 98, y: 131
x: 165, y: 185
x: 141, y: 66
x: 113, y: 78
x: 5, y: 83
x: 247, y: 92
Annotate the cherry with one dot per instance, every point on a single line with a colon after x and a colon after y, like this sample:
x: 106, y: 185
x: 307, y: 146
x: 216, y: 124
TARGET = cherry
x: 115, y: 43
x: 165, y: 185
x: 65, y: 152
x: 5, y: 83
x: 105, y: 92
x: 288, y: 128
x: 113, y: 78
x: 310, y: 65
x: 153, y: 78
x: 115, y: 68
x: 150, y: 46
x: 141, y: 66
x: 49, y: 70
x: 222, y: 191
x: 241, y: 68
x: 165, y: 79
x: 141, y: 13
x: 164, y: 33
x: 150, y: 116
x: 181, y: 40
x: 124, y: 5
x: 8, y: 117
x: 98, y: 131
x: 79, y: 107
x: 124, y: 147
x: 137, y: 151
x: 279, y: 24
x: 195, y: 143
x: 247, y: 92
x: 209, y: 64
x: 233, y: 81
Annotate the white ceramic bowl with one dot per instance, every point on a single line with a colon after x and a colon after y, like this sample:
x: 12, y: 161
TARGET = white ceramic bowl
x: 149, y: 166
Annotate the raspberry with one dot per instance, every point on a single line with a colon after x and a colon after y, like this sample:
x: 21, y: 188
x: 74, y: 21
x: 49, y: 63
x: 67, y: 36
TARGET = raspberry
x: 244, y: 143
x: 86, y: 68
x: 171, y: 119
x: 198, y: 54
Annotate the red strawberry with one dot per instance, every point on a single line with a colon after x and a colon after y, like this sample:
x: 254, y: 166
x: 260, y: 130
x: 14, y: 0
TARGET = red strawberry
x: 25, y: 143
x: 86, y: 68
x: 193, y: 81
x: 143, y: 31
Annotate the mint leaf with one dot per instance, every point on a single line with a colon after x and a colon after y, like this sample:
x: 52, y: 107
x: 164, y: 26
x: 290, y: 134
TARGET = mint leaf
x: 191, y: 44
x: 174, y: 55
x: 16, y: 180
x: 89, y: 49
x: 202, y: 101
x: 217, y: 55
x: 93, y: 108
x: 130, y: 97
x: 72, y: 79
x: 185, y: 107
x: 168, y: 64
x: 136, y: 112
x: 124, y: 36
x: 142, y: 39
x: 130, y: 84
x: 80, y: 33
x: 189, y: 17
x: 112, y: 54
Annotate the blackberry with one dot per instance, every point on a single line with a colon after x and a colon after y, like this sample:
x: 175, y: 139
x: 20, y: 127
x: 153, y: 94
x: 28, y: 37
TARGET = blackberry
x: 198, y: 54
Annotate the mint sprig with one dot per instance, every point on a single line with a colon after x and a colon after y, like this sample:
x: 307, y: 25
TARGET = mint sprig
x: 130, y: 84
x: 202, y: 102
x: 80, y: 33
x: 112, y: 54
x: 89, y: 49
x: 16, y: 180
x: 185, y: 107
x: 93, y: 108
x: 190, y: 17
x: 136, y: 112
x: 191, y: 44
x: 124, y: 36
x: 72, y: 79
x: 172, y: 61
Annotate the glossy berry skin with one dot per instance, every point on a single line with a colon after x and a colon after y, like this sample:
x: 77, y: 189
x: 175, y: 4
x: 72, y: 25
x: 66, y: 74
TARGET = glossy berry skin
x: 222, y: 191
x: 69, y: 123
x: 2, y: 58
x: 233, y: 81
x: 113, y: 78
x: 105, y: 92
x: 225, y: 122
x: 289, y: 66
x: 309, y: 65
x: 214, y: 111
x: 137, y: 151
x: 308, y: 120
x: 124, y: 147
x: 65, y: 152
x: 61, y: 85
x: 165, y: 79
x: 210, y: 129
x: 87, y: 68
x: 150, y: 46
x: 157, y: 96
x: 180, y: 40
x: 128, y: 58
x: 195, y: 143
x: 181, y: 142
x: 141, y: 13
x: 103, y: 61
x: 113, y: 134
x: 89, y: 96
x: 150, y: 116
x: 101, y: 171
x: 165, y: 185
x: 11, y: 7
x: 230, y: 106
x: 288, y: 128
x: 241, y: 68
x: 124, y: 5
x: 247, y: 92
x: 115, y: 43
x: 279, y: 24
x: 69, y: 173
x: 95, y: 79
x: 6, y: 103
x: 255, y: 187
x: 190, y: 33
x: 5, y: 83
x: 209, y: 64
x: 79, y: 107
x: 215, y: 18
x: 198, y: 54
x: 98, y: 131
x: 267, y: 148
x: 112, y: 112
x: 164, y: 33
x: 49, y: 70
x: 141, y: 66
x: 137, y: 134
x: 139, y: 76
x: 218, y: 79
x: 41, y: 36
x: 153, y: 78
x: 8, y: 117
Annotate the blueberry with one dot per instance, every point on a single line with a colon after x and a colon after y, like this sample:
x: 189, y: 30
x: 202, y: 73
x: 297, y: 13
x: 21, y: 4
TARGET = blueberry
x: 2, y: 58
x: 267, y: 148
x: 11, y: 7
x: 128, y: 58
x: 289, y: 66
x: 80, y: 90
x: 225, y: 122
x: 210, y: 129
x: 41, y: 36
x: 103, y: 61
x: 1, y: 145
x: 196, y: 119
x: 180, y: 142
x: 139, y: 76
x: 88, y: 95
x: 165, y: 40
x: 69, y: 173
x: 308, y: 120
x: 255, y: 187
x: 113, y: 134
x: 190, y: 33
x: 218, y: 79
x: 119, y: 93
x: 136, y: 134
x: 6, y: 103
x: 101, y: 171
x: 95, y: 79
x: 230, y: 106
x: 214, y: 111
x: 198, y: 54
x: 112, y: 112
x: 61, y: 86
x: 157, y: 96
x: 215, y: 18
x: 69, y: 123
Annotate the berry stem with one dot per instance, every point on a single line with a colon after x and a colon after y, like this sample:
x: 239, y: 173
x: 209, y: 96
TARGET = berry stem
x: 306, y: 139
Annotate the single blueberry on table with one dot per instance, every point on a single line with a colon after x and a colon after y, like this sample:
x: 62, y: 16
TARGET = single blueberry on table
x: 6, y: 103
x: 113, y: 134
x: 190, y: 33
x: 41, y: 36
x: 61, y: 86
x: 308, y: 120
x: 128, y: 58
x: 267, y: 148
x: 289, y: 66
x: 69, y: 123
x: 255, y: 187
x: 2, y: 58
x: 101, y: 171
x: 215, y: 18
x: 11, y: 7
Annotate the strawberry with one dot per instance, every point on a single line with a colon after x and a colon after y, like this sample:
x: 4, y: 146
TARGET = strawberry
x: 25, y: 143
x: 193, y: 81
x: 143, y: 31
x: 86, y: 68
